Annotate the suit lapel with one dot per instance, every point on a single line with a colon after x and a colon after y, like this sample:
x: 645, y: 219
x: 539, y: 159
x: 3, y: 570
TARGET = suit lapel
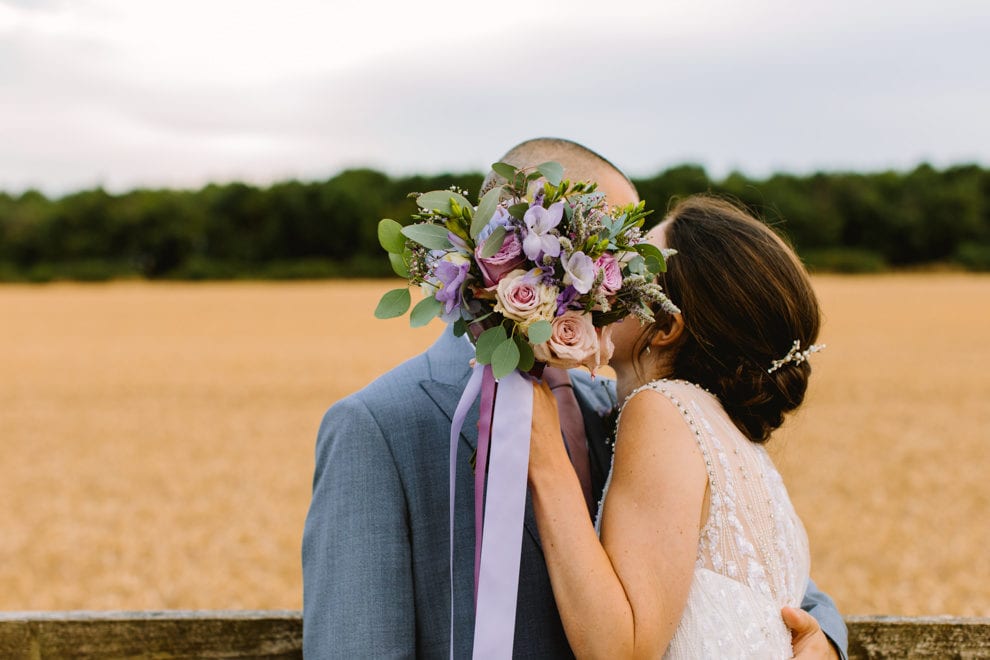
x: 447, y: 396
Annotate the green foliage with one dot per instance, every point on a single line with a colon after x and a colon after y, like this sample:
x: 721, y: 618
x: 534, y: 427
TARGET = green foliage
x: 840, y: 221
x: 390, y: 236
x: 493, y: 243
x: 427, y: 235
x: 425, y: 311
x: 844, y: 260
x: 505, y: 358
x: 539, y: 332
x: 974, y: 256
x: 487, y: 342
x: 394, y: 303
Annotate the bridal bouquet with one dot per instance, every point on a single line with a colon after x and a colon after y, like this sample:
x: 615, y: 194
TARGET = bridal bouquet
x: 535, y: 276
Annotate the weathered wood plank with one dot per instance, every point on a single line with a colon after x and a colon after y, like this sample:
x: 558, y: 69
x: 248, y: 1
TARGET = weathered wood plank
x: 269, y: 635
x: 277, y: 634
x: 887, y: 637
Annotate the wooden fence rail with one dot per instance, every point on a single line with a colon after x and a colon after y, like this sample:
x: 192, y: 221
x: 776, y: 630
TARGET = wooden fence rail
x: 278, y: 634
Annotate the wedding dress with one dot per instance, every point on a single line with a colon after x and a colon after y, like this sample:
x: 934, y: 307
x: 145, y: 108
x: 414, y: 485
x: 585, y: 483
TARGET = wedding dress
x: 753, y: 551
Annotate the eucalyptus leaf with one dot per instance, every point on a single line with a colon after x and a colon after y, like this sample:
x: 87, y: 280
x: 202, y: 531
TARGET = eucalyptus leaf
x: 398, y: 265
x: 552, y: 171
x: 517, y: 211
x: 655, y: 262
x: 460, y: 328
x: 505, y: 358
x: 390, y: 236
x: 428, y: 235
x: 539, y: 332
x: 493, y: 243
x: 504, y: 170
x: 425, y: 311
x: 393, y: 303
x: 637, y: 265
x: 526, y: 357
x: 487, y: 342
x: 486, y: 210
x: 654, y: 265
x: 439, y: 200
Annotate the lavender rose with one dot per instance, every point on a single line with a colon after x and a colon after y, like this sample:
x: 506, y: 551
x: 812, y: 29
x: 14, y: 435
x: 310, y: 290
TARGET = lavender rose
x: 509, y: 257
x: 523, y: 297
x: 611, y: 273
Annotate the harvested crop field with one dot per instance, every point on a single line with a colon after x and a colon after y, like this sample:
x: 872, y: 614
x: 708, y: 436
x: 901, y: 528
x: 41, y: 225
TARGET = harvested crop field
x: 157, y: 439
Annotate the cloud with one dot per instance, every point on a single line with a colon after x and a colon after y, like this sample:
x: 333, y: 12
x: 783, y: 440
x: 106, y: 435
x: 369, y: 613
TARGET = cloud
x: 104, y: 98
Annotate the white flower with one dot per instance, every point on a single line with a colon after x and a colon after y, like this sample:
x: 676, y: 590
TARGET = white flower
x: 539, y: 221
x: 579, y: 271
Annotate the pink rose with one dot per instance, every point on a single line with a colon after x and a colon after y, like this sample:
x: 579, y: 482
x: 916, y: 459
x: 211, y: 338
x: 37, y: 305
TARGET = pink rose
x: 575, y: 342
x: 523, y: 297
x: 509, y: 257
x: 611, y: 273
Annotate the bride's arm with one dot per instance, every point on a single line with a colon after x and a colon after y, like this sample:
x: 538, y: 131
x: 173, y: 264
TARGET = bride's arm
x: 621, y: 597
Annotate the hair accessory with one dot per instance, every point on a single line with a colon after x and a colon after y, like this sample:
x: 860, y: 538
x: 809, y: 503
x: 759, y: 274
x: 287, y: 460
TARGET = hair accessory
x: 795, y: 355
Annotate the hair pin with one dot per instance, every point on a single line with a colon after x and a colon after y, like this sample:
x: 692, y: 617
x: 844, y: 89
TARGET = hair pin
x: 795, y: 355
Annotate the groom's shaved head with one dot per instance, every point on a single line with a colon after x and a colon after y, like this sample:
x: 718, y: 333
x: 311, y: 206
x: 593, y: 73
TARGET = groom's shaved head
x: 579, y: 162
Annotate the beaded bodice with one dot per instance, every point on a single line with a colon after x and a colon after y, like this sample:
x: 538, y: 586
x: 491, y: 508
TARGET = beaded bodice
x: 753, y: 550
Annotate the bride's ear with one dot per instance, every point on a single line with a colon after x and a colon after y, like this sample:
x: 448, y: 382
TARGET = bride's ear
x: 666, y: 337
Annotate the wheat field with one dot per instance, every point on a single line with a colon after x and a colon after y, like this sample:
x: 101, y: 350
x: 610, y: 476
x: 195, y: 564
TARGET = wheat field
x: 157, y: 439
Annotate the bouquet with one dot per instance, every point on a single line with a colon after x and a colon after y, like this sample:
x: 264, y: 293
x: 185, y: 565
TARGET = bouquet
x: 536, y: 273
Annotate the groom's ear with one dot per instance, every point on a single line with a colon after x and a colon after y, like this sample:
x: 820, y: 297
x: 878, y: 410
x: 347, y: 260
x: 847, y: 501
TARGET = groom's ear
x: 669, y: 334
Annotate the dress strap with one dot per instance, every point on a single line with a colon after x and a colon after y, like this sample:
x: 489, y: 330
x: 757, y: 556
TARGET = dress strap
x: 672, y: 389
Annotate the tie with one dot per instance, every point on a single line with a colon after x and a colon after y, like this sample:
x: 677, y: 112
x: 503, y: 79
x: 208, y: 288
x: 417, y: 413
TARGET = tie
x: 572, y: 427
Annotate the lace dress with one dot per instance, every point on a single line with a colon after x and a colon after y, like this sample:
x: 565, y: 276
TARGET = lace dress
x: 753, y: 551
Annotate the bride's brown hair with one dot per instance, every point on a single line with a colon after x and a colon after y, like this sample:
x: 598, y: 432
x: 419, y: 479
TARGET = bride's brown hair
x: 745, y: 299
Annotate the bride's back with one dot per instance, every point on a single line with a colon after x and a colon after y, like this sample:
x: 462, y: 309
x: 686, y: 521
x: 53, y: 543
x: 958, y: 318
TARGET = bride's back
x: 753, y: 556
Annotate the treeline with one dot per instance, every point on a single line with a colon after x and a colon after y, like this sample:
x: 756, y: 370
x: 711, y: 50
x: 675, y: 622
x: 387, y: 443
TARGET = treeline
x: 838, y: 221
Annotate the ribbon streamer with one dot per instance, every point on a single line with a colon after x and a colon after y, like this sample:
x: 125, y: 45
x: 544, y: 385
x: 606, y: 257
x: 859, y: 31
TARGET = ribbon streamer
x: 503, y: 451
x: 505, y: 508
x: 467, y: 398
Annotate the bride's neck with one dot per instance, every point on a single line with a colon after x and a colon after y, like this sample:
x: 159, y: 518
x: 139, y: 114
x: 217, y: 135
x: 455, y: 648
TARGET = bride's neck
x: 627, y: 378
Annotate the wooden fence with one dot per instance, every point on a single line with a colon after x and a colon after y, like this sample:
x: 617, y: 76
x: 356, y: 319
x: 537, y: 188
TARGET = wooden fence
x: 278, y: 634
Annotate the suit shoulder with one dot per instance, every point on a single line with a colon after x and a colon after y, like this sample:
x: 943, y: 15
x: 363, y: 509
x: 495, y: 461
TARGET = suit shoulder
x: 598, y: 391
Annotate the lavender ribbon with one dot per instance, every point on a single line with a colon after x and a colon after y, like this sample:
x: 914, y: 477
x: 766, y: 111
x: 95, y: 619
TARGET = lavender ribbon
x: 467, y: 398
x: 499, y: 514
x: 485, y: 418
x: 498, y: 588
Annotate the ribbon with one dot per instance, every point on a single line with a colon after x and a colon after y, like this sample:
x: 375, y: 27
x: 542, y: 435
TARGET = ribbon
x: 467, y: 398
x: 506, y: 414
x: 505, y: 508
x: 488, y: 393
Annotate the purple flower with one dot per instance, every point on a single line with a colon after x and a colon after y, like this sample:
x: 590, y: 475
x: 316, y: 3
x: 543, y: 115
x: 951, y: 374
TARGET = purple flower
x: 500, y: 218
x: 539, y: 221
x: 566, y: 300
x: 452, y: 274
x: 579, y: 271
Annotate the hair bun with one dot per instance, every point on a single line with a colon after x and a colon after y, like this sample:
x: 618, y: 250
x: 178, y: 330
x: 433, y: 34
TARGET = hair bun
x: 757, y: 400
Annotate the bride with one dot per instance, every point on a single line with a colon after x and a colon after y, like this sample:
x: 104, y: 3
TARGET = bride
x: 697, y: 547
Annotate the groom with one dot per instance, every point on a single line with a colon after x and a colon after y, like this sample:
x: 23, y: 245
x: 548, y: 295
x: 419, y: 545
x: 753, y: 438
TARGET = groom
x: 376, y: 545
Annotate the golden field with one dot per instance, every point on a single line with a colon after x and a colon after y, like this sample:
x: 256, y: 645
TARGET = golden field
x: 157, y: 439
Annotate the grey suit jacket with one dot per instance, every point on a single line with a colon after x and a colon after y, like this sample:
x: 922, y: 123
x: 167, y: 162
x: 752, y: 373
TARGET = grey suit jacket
x: 375, y: 546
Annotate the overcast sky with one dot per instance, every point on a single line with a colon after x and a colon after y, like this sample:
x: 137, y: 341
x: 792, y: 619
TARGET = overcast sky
x: 127, y: 93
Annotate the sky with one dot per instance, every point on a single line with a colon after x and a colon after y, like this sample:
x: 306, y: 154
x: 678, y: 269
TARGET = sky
x: 178, y: 93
